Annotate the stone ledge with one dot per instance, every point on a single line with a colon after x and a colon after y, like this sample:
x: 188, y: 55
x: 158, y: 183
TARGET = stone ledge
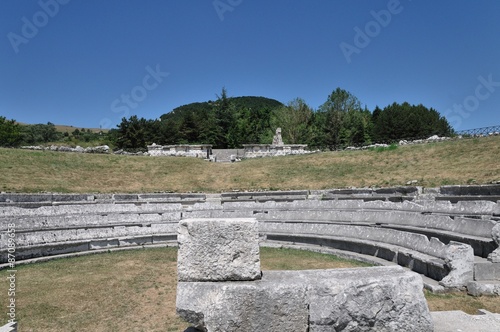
x: 367, y: 299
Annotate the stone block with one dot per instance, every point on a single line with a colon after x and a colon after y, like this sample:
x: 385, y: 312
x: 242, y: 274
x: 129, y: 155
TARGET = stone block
x: 460, y: 260
x: 493, y: 189
x: 218, y: 250
x: 367, y: 299
x: 495, y: 234
x: 486, y: 271
x: 103, y: 244
x: 135, y: 241
x: 125, y: 197
x: 243, y: 306
x: 479, y: 288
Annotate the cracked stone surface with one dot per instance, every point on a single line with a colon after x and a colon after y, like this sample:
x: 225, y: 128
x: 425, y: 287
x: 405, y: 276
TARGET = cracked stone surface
x: 218, y: 250
x: 366, y: 299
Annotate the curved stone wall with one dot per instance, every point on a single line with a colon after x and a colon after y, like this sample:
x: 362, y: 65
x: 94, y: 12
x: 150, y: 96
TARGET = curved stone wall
x: 445, y: 234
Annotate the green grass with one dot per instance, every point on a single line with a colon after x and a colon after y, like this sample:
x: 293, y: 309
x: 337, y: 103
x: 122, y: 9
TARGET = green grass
x: 435, y: 164
x: 134, y: 290
x: 292, y: 259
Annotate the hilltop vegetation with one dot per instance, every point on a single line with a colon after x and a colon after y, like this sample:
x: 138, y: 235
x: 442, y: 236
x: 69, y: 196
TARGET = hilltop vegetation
x: 229, y: 122
x: 465, y: 161
x: 13, y: 134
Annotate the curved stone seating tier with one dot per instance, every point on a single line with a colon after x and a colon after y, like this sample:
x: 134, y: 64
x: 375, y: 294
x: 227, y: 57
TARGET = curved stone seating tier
x: 469, y: 223
x: 61, y: 229
x: 409, y: 226
x: 466, y: 208
x: 429, y: 257
x: 38, y: 200
x: 407, y: 216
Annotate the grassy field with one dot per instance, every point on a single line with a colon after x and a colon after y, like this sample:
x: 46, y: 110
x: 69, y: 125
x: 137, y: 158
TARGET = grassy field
x: 465, y: 161
x: 135, y: 290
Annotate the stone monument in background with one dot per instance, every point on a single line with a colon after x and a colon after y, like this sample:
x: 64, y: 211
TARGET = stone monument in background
x: 276, y: 148
x: 277, y: 140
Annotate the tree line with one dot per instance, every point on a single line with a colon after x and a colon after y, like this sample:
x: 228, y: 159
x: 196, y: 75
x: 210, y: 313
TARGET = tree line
x: 13, y: 134
x: 229, y: 122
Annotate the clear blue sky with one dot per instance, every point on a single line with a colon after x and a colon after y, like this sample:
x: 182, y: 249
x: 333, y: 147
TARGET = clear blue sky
x: 88, y: 63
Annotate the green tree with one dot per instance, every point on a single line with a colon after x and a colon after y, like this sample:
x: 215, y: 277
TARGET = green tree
x: 356, y: 128
x: 76, y: 133
x: 342, y: 123
x: 252, y: 124
x: 10, y: 133
x: 405, y: 121
x: 41, y: 133
x: 295, y: 120
x: 135, y: 134
x: 225, y: 130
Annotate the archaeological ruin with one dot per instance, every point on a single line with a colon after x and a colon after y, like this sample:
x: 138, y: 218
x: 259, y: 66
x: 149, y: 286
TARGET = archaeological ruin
x: 448, y: 237
x: 205, y: 151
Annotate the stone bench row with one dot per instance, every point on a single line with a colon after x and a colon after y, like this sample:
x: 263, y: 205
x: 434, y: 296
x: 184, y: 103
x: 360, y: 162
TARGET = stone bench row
x: 462, y: 225
x: 79, y: 246
x: 36, y: 200
x: 478, y: 209
x: 48, y: 236
x: 81, y: 209
x: 462, y: 208
x: 396, y: 194
x: 453, y: 190
x: 84, y: 220
x: 475, y: 232
x: 452, y: 264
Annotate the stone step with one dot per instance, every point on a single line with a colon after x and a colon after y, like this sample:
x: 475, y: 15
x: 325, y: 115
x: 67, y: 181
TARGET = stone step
x: 429, y: 283
x: 453, y: 321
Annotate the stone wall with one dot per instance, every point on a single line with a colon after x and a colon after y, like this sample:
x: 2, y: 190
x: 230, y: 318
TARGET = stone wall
x: 432, y: 231
x: 368, y: 299
x: 268, y: 150
x: 198, y: 151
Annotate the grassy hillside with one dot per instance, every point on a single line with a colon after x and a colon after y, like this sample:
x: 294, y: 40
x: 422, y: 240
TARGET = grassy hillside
x: 454, y: 162
x: 70, y: 129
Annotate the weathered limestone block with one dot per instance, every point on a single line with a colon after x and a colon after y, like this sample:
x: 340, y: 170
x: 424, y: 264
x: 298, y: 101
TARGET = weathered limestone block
x: 476, y: 288
x: 460, y: 260
x: 495, y: 234
x: 218, y: 250
x: 243, y: 306
x: 369, y: 299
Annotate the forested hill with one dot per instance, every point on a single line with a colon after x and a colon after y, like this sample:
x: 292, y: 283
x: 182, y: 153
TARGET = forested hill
x: 230, y: 122
x: 246, y: 102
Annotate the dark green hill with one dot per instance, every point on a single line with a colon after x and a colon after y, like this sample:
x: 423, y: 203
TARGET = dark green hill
x: 245, y: 102
x: 224, y: 123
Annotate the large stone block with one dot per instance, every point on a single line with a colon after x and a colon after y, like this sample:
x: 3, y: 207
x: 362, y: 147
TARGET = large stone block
x: 243, y: 306
x: 218, y: 250
x: 495, y: 234
x: 367, y: 299
x: 460, y: 260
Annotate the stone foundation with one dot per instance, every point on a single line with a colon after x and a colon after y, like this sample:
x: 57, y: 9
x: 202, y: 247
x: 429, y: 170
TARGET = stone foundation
x: 198, y: 151
x: 269, y: 150
x: 364, y: 299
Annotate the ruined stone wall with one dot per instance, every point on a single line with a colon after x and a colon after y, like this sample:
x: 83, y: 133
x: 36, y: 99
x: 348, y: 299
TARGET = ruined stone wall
x: 221, y: 288
x: 196, y: 151
x: 268, y: 150
x: 431, y: 231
